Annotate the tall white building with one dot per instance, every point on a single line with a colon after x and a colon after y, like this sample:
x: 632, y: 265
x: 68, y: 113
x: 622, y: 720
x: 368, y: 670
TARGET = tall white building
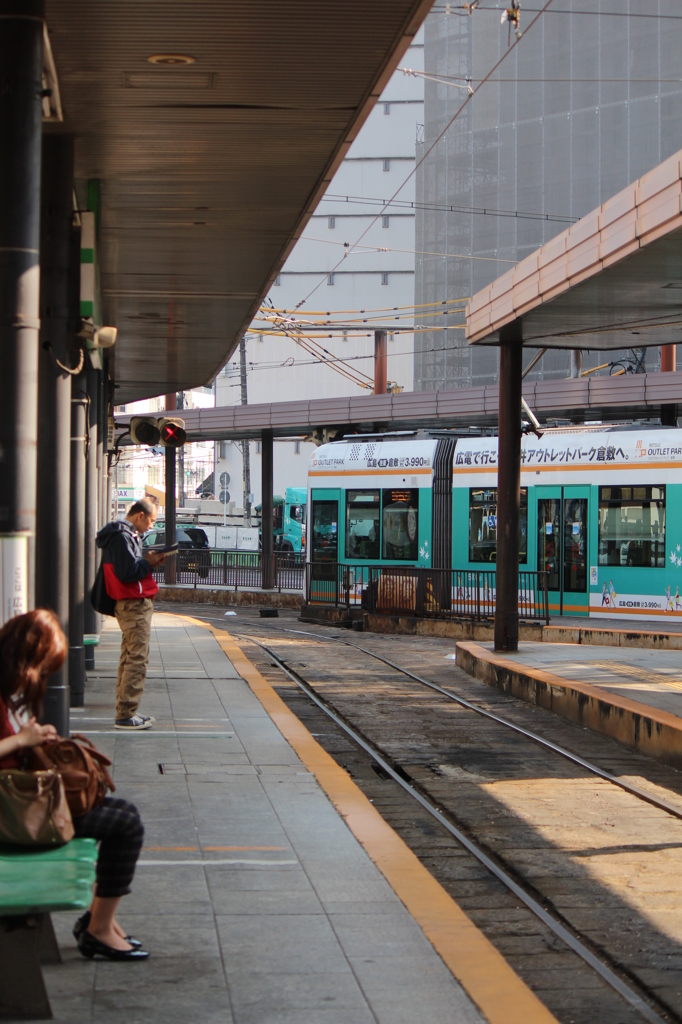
x: 378, y: 275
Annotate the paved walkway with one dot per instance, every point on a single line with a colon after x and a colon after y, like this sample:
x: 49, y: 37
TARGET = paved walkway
x: 651, y: 677
x: 255, y: 899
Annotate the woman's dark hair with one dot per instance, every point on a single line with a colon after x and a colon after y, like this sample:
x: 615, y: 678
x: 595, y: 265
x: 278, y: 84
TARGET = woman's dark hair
x: 32, y: 646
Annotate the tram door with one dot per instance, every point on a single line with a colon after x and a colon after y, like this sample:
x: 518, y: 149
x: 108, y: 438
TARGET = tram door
x: 562, y: 519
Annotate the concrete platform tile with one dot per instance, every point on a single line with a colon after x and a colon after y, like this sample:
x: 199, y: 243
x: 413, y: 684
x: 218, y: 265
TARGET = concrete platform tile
x: 257, y: 999
x: 290, y: 879
x: 388, y: 934
x: 227, y: 902
x: 267, y: 944
x: 400, y: 990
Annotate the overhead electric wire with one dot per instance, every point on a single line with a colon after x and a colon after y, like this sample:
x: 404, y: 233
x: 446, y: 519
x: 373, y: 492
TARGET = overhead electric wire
x: 462, y: 10
x: 510, y: 49
x: 415, y: 204
x: 376, y: 309
x: 366, y: 250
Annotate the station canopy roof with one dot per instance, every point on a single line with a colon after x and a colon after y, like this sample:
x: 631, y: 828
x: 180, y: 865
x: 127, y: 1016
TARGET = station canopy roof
x: 613, y: 280
x: 210, y: 168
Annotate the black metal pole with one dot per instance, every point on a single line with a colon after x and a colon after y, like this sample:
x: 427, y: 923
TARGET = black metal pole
x: 102, y: 444
x: 169, y: 567
x: 21, y: 43
x: 508, y: 491
x: 54, y: 405
x: 90, y: 616
x: 77, y: 545
x: 267, y: 549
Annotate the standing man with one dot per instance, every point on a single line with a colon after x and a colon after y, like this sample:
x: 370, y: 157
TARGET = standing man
x: 129, y: 582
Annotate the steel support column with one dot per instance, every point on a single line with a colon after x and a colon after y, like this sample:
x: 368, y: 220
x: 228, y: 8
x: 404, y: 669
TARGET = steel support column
x: 170, y: 565
x: 668, y: 365
x: 21, y: 44
x: 508, y: 491
x: 91, y: 623
x: 267, y: 549
x: 54, y: 404
x: 77, y: 545
x: 380, y: 363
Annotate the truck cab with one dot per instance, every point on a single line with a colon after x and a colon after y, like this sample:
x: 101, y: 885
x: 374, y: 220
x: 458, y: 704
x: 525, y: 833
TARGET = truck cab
x: 288, y: 519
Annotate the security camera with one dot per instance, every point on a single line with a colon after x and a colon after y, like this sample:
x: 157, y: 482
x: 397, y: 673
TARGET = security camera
x: 105, y: 337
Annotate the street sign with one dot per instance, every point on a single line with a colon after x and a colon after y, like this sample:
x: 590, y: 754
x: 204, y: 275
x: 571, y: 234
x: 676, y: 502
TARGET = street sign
x: 225, y: 479
x: 224, y: 497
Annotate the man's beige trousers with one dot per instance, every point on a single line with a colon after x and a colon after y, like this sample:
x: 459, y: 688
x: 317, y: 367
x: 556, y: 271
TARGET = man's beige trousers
x: 134, y: 616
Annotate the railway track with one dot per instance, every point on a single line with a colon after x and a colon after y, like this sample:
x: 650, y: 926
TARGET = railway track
x: 567, y: 936
x: 609, y: 952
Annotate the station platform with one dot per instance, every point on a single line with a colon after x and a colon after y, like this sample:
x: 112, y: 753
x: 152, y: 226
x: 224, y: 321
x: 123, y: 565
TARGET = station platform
x: 631, y: 692
x: 269, y: 888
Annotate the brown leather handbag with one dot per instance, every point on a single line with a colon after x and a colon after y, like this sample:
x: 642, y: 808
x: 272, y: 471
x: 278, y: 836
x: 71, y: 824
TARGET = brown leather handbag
x: 33, y: 809
x: 82, y: 767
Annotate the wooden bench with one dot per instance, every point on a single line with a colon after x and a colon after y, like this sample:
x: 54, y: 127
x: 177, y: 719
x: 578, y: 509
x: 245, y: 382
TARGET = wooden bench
x: 33, y: 883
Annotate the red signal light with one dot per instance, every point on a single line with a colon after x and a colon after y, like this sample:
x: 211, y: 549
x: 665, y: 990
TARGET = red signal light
x: 173, y: 433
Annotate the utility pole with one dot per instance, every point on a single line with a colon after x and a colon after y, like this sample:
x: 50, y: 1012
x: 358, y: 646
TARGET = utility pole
x: 246, y: 454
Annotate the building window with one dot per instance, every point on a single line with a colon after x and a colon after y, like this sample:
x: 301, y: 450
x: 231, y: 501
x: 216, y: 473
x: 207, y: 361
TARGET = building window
x: 632, y: 526
x: 331, y: 222
x: 363, y: 524
x: 387, y: 108
x: 387, y: 165
x: 384, y: 221
x: 330, y: 279
x: 278, y: 280
x: 297, y: 447
x: 384, y: 278
x: 483, y: 525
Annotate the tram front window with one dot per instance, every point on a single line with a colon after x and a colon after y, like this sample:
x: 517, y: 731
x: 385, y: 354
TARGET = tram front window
x: 632, y: 526
x: 363, y: 525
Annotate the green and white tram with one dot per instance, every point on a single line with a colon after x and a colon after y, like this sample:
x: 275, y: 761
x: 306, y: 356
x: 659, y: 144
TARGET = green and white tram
x: 600, y: 511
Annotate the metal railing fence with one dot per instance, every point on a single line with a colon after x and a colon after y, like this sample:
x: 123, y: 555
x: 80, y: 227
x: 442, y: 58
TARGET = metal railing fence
x: 234, y: 569
x: 420, y: 591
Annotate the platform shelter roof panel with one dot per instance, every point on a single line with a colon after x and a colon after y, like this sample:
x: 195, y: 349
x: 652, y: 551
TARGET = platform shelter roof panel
x: 209, y: 170
x: 612, y: 280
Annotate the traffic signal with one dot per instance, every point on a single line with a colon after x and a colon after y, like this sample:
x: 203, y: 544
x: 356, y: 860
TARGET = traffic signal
x: 145, y: 430
x: 173, y: 433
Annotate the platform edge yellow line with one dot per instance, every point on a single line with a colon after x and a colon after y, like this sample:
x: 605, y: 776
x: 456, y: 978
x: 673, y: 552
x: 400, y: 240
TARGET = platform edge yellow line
x: 496, y: 989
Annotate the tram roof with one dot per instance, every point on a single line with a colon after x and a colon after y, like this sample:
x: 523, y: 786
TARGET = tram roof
x: 210, y: 170
x: 613, y: 280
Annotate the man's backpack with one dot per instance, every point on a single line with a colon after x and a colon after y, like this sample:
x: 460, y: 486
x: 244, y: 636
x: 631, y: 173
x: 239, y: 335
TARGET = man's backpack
x: 99, y: 599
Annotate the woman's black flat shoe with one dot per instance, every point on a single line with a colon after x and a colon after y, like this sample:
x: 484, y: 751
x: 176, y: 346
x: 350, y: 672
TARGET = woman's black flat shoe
x: 89, y: 947
x: 81, y: 926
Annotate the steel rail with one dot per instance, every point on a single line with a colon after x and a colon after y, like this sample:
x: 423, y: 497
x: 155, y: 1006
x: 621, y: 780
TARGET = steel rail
x: 555, y: 926
x: 635, y: 791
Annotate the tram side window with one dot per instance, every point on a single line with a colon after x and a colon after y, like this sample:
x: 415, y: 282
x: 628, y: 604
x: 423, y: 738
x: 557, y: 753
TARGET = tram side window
x: 363, y: 524
x: 632, y: 526
x: 483, y: 525
x: 400, y: 535
x: 325, y: 531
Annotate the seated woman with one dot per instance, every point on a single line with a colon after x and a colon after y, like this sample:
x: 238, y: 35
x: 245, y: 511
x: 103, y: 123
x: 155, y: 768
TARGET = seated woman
x: 32, y: 646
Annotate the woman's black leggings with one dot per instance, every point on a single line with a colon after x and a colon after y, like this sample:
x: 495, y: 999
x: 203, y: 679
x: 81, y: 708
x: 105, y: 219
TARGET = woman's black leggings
x: 118, y: 826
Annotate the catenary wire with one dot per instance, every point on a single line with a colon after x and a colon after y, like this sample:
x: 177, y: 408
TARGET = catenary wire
x: 510, y: 49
